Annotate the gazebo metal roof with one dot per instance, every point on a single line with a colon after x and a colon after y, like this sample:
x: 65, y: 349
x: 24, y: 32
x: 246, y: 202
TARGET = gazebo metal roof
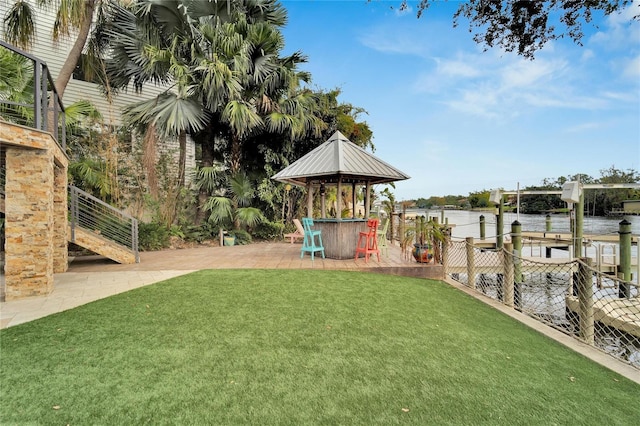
x: 339, y: 159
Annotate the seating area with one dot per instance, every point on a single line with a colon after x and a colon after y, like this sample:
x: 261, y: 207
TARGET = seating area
x: 298, y: 234
x: 311, y: 235
x: 368, y: 241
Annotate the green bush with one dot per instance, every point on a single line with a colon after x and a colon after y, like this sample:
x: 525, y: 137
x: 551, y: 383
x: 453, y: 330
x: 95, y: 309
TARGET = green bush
x: 269, y: 231
x: 200, y: 233
x: 152, y: 236
x: 242, y: 237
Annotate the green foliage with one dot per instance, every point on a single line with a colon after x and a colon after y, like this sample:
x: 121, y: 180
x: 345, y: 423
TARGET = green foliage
x: 479, y: 199
x: 269, y: 230
x: 526, y: 27
x: 200, y: 233
x: 242, y: 236
x: 153, y: 236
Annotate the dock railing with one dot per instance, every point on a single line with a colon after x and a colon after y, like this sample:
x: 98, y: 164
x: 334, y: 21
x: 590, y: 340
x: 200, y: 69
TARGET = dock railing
x: 569, y: 295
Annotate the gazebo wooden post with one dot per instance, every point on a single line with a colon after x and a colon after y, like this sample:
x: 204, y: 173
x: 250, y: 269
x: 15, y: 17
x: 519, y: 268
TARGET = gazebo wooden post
x: 366, y: 199
x: 353, y: 200
x: 323, y: 199
x: 310, y: 199
x: 339, y: 199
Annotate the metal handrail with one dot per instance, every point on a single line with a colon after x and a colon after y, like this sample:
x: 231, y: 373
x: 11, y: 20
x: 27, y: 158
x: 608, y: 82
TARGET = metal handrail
x: 46, y: 101
x: 90, y: 213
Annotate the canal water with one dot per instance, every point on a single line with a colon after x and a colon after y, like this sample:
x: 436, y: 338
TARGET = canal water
x: 467, y: 223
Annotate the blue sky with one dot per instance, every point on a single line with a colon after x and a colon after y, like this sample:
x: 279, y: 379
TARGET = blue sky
x: 457, y: 119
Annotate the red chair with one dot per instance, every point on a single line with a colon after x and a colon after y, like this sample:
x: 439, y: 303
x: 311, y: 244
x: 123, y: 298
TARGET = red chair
x: 368, y: 241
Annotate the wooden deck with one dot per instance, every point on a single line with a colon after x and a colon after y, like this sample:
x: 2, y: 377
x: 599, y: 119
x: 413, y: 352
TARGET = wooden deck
x: 269, y: 255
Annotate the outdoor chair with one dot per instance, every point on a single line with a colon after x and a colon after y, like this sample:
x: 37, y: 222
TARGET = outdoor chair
x: 298, y: 234
x: 309, y: 242
x: 382, y: 238
x: 368, y: 241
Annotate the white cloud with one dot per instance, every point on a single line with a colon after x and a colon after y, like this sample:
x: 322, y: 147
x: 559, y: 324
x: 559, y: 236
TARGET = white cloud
x: 632, y: 68
x: 620, y: 30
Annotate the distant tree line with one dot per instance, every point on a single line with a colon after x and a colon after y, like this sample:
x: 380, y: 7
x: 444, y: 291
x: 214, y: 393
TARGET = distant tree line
x: 597, y: 202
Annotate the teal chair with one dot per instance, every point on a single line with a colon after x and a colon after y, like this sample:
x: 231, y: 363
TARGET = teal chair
x: 309, y: 241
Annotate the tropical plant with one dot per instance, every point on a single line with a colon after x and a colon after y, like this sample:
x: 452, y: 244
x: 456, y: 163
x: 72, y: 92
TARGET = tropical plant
x: 427, y: 237
x: 230, y: 204
x: 221, y: 58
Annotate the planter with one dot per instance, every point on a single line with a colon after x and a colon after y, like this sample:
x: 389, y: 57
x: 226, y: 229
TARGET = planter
x: 422, y: 253
x: 229, y: 241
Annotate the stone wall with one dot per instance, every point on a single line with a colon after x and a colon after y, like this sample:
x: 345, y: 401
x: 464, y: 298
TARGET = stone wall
x: 35, y: 219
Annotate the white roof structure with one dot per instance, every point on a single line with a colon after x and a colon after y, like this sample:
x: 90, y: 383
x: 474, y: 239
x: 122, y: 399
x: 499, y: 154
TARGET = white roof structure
x: 339, y: 160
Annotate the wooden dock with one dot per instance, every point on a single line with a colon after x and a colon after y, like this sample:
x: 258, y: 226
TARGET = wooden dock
x: 621, y: 314
x: 566, y: 238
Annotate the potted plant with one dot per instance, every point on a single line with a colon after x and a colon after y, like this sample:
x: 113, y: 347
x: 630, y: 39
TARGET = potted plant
x: 426, y: 235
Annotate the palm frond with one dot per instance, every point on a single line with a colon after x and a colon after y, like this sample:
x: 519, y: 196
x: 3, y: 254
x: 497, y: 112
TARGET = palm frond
x: 241, y: 117
x: 19, y: 25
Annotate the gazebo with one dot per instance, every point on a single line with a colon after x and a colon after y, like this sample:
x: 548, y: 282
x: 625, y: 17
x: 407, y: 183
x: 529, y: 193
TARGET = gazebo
x: 340, y: 162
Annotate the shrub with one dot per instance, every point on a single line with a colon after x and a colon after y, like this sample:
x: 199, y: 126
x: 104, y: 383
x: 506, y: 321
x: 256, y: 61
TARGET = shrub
x: 242, y: 237
x: 152, y: 236
x: 269, y: 231
x: 200, y: 233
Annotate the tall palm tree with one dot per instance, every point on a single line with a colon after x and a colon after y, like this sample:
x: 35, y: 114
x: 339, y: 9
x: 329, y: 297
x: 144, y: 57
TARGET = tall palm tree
x: 71, y: 16
x: 221, y: 59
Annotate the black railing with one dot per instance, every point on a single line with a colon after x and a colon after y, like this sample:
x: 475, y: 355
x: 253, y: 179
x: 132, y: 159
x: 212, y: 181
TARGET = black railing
x: 34, y: 103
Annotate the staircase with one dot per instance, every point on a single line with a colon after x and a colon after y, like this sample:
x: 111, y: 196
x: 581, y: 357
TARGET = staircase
x: 101, y: 228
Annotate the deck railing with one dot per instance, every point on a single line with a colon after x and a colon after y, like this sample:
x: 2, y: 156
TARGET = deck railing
x: 93, y: 214
x: 569, y: 295
x: 29, y: 97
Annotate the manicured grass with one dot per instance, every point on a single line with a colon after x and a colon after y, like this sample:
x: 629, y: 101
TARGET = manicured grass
x: 299, y: 347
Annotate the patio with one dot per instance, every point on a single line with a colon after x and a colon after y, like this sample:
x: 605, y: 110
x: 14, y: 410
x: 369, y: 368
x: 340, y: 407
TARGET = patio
x: 91, y: 278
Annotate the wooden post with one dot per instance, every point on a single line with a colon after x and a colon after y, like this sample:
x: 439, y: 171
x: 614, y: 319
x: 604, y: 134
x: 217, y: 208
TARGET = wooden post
x: 577, y: 236
x: 323, y: 200
x: 445, y: 254
x: 482, y: 227
x: 354, y: 198
x: 500, y: 225
x: 516, y: 237
x: 508, y: 274
x: 471, y: 264
x: 547, y: 223
x: 339, y: 199
x: 624, y: 271
x: 367, y: 201
x: 309, y: 199
x: 585, y: 301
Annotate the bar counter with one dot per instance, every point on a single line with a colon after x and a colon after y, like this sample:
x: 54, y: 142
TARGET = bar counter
x: 340, y: 236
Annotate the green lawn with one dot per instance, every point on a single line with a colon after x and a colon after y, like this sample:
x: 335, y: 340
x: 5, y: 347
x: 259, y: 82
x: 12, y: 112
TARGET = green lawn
x: 299, y: 347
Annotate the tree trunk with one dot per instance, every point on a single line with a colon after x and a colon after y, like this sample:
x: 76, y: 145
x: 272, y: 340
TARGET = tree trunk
x: 236, y: 155
x: 76, y: 51
x: 149, y: 157
x: 182, y: 139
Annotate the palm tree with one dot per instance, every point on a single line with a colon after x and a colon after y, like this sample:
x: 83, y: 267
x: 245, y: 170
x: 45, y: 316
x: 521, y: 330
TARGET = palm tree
x: 231, y: 206
x: 221, y: 58
x: 76, y: 15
